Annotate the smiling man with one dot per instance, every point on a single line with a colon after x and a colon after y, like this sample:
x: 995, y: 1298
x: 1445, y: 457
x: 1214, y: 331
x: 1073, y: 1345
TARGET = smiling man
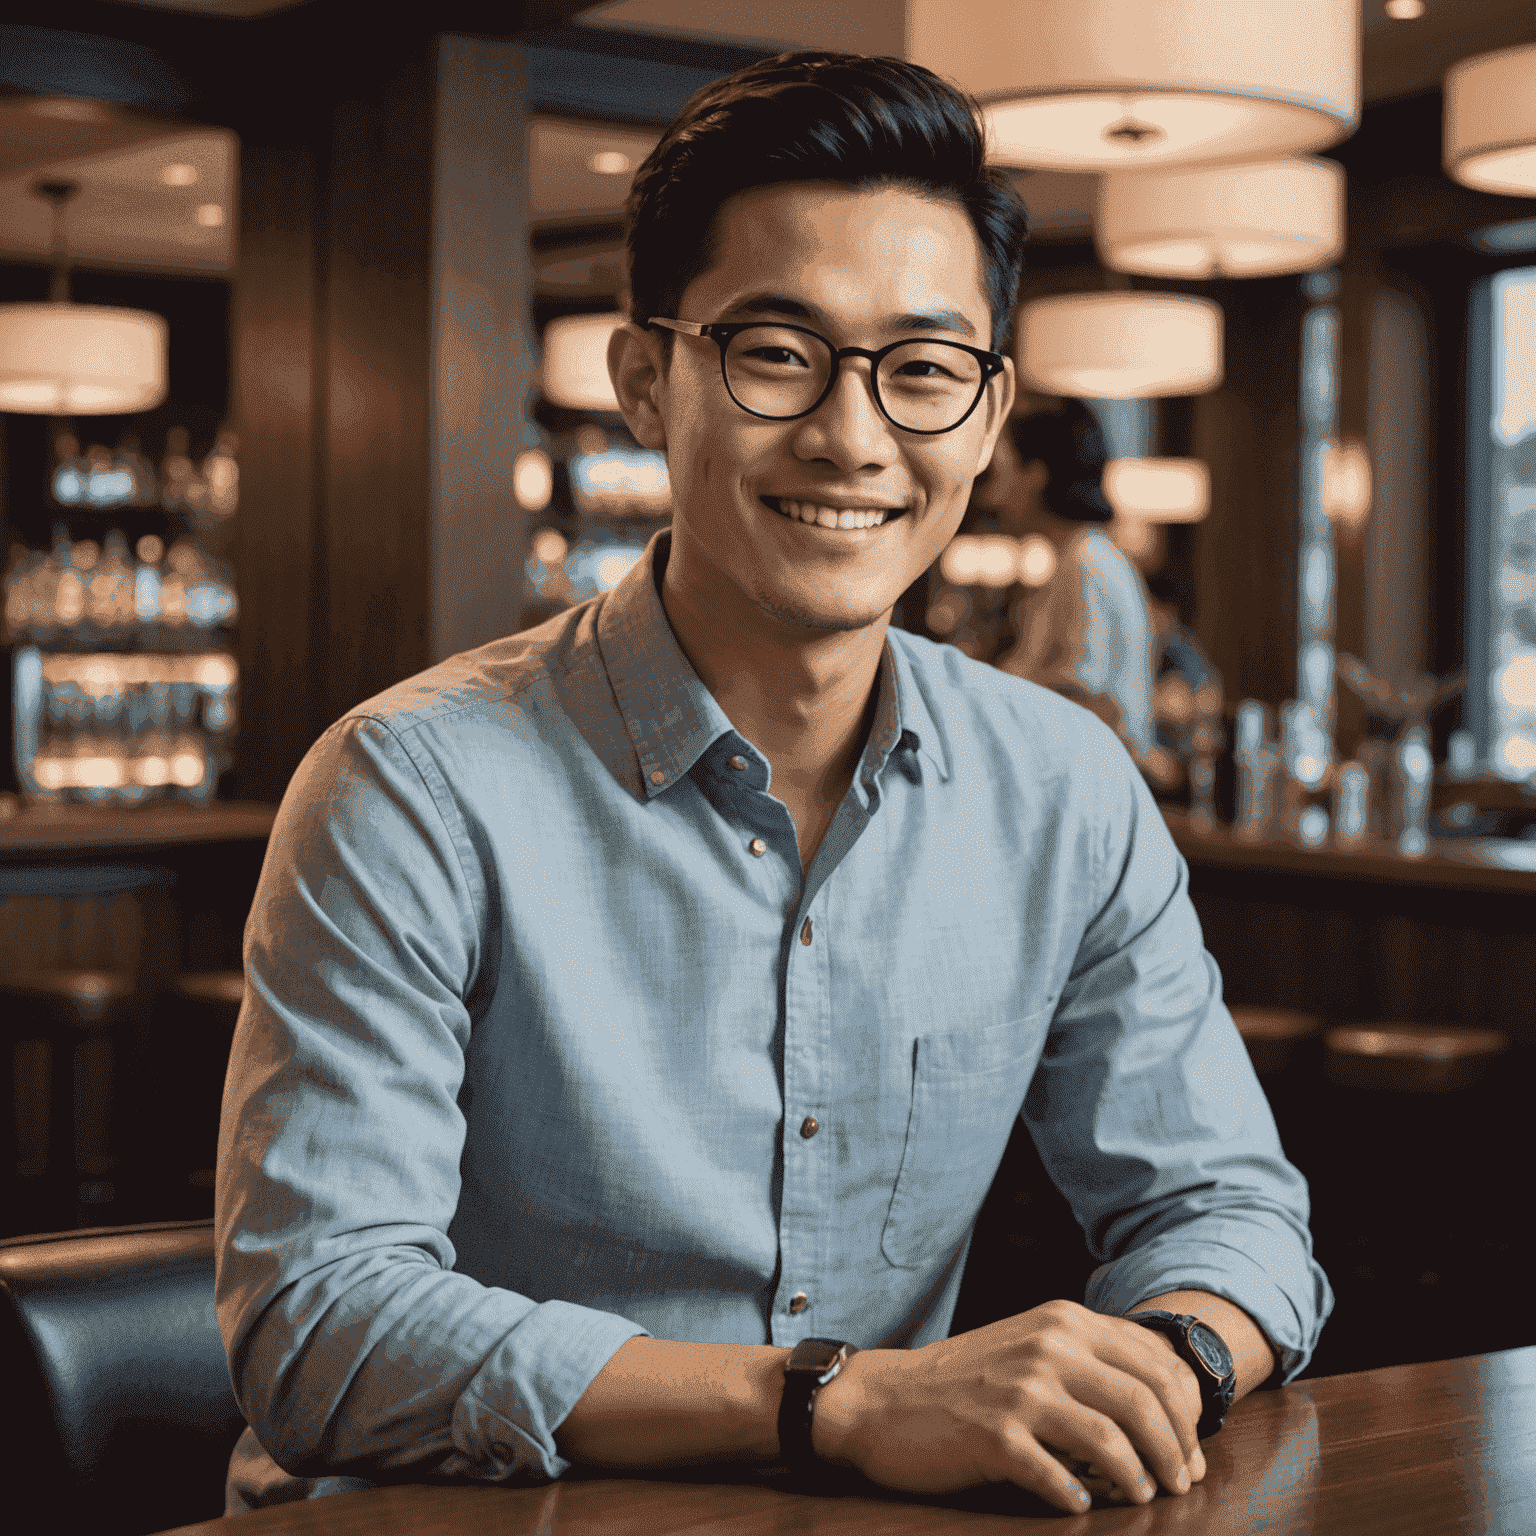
x: 638, y: 1008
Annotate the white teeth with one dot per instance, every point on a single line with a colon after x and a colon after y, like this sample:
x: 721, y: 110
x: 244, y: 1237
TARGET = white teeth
x: 830, y: 517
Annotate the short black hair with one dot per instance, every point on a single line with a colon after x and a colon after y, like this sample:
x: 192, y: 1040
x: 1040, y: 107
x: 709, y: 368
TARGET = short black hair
x: 842, y: 117
x: 1069, y: 440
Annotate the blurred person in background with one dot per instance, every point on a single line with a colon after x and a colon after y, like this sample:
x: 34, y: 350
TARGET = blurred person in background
x: 1086, y: 632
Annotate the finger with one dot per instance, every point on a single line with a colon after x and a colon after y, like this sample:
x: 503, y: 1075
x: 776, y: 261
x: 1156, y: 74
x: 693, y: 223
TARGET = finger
x: 1096, y: 1438
x: 1147, y: 1356
x: 1036, y: 1468
x: 1142, y: 1417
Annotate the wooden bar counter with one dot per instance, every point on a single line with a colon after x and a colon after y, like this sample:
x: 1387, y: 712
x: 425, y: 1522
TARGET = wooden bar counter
x: 1416, y: 1450
x: 1365, y: 933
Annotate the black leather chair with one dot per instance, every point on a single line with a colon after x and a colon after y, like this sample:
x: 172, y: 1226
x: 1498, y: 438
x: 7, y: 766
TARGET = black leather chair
x: 116, y: 1413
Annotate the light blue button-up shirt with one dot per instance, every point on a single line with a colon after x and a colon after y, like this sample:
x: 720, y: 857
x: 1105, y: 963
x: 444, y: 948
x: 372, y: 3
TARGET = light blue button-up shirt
x: 538, y: 1005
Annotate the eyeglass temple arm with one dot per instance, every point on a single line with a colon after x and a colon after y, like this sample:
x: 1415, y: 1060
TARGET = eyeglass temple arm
x: 687, y: 327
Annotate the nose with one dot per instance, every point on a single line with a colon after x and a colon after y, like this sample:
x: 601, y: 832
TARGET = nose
x: 847, y: 428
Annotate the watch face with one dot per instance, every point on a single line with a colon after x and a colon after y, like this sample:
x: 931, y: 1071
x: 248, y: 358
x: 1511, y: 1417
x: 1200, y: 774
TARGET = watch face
x: 1212, y: 1352
x: 814, y: 1355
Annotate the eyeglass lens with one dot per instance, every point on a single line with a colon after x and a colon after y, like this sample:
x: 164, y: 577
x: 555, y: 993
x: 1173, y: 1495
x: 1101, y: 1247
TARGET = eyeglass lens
x: 925, y: 386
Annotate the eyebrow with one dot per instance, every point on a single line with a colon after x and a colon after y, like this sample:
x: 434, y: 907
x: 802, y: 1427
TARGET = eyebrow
x: 781, y: 304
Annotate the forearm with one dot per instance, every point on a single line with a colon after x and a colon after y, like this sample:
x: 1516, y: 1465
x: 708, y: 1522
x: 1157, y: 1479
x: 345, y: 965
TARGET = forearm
x: 1251, y: 1353
x: 661, y: 1403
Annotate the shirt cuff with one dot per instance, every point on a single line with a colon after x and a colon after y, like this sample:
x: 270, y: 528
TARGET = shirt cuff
x: 504, y: 1421
x: 1143, y: 1273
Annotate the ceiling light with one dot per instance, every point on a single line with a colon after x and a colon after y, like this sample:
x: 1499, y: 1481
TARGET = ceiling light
x: 210, y: 216
x: 1110, y: 84
x: 1405, y: 10
x: 1223, y: 221
x: 1490, y: 121
x: 575, y: 369
x: 63, y: 359
x: 1120, y: 346
x: 609, y: 162
x: 1158, y: 490
x: 179, y: 175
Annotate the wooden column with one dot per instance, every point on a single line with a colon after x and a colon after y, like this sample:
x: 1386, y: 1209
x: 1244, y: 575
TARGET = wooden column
x: 381, y: 367
x: 482, y: 343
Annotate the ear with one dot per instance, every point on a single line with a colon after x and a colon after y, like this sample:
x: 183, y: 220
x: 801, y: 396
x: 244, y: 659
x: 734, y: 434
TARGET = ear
x: 1000, y: 392
x: 637, y: 370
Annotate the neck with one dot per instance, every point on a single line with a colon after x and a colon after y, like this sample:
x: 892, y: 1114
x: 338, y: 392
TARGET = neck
x: 803, y: 697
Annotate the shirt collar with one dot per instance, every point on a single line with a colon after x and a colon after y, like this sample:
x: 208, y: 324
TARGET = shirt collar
x: 903, y: 716
x: 673, y: 719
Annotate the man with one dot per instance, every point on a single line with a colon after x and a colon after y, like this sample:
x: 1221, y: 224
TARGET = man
x: 643, y: 996
x: 1085, y: 633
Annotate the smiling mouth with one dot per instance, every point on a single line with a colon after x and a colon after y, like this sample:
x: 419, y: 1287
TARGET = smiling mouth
x: 813, y: 513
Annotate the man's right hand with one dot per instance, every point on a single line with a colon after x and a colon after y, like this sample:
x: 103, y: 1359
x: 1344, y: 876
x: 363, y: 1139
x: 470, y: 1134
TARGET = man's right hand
x: 1016, y: 1402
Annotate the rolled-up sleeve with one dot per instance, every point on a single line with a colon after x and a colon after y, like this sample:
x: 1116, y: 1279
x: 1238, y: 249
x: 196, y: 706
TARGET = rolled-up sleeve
x: 1146, y: 1109
x: 354, y: 1347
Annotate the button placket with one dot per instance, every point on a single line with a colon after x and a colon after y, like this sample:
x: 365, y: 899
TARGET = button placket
x: 807, y: 1192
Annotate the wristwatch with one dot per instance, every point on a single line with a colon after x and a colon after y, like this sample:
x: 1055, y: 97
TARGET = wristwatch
x: 813, y: 1363
x: 1201, y: 1348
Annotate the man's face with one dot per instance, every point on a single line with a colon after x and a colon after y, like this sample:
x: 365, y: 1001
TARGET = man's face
x: 864, y: 268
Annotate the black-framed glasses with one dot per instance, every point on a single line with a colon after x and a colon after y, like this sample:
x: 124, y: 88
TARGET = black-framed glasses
x: 784, y: 372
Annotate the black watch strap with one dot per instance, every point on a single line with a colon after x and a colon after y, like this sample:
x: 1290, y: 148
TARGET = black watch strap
x: 813, y: 1363
x: 1205, y: 1352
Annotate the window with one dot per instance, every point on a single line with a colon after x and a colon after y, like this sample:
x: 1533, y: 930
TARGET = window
x: 1501, y: 521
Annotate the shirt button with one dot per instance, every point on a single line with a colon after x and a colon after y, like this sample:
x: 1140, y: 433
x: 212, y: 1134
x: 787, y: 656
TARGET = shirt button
x: 809, y: 1126
x: 657, y: 776
x: 799, y: 1302
x: 805, y: 931
x: 758, y: 847
x: 738, y: 762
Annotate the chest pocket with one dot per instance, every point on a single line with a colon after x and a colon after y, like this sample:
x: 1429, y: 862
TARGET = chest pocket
x: 967, y: 1089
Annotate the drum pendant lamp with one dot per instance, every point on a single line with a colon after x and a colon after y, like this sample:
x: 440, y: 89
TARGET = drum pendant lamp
x: 1122, y: 345
x: 1490, y: 121
x: 1113, y: 85
x: 63, y: 359
x: 1223, y: 221
x: 1158, y: 490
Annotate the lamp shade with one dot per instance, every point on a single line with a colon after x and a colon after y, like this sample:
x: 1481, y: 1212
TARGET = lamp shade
x: 1121, y: 345
x: 80, y: 359
x: 1158, y: 490
x: 575, y: 371
x: 1109, y: 84
x: 1489, y: 139
x: 1223, y: 220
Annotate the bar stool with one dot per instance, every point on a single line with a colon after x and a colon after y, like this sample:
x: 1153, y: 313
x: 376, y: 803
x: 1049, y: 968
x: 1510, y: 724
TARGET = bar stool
x: 1282, y: 1045
x: 1408, y: 1210
x: 80, y: 946
x: 64, y: 1029
x: 1272, y: 1035
x: 189, y: 1055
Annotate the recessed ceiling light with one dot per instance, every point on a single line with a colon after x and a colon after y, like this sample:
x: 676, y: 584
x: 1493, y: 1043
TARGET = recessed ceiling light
x: 609, y: 162
x: 210, y: 215
x: 179, y: 175
x: 1405, y: 10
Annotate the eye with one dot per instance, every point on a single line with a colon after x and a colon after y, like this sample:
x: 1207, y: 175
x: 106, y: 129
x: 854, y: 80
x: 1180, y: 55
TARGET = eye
x: 776, y: 357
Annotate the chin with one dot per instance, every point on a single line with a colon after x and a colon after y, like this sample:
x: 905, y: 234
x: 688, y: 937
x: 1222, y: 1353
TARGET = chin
x: 799, y: 615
